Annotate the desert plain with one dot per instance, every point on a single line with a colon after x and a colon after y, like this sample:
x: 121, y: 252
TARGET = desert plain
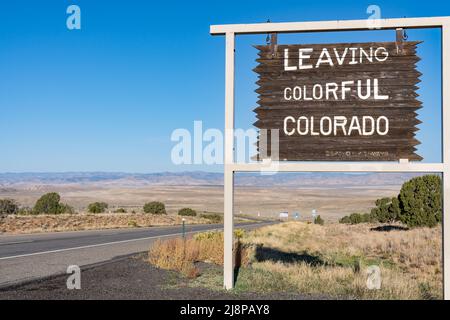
x: 254, y: 195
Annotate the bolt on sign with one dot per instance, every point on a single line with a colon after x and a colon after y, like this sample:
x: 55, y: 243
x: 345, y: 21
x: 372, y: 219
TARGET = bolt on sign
x: 339, y: 102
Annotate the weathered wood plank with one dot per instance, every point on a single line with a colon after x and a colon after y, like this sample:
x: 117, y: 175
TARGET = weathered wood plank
x: 398, y: 78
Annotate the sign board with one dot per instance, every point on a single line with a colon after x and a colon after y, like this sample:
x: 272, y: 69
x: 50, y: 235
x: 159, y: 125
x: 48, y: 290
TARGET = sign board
x: 339, y: 102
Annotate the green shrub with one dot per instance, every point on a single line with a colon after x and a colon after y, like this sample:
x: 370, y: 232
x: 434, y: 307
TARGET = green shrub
x: 25, y: 211
x: 120, y: 210
x: 97, y: 207
x: 133, y: 224
x: 387, y: 210
x: 345, y: 220
x: 65, y: 208
x: 155, y: 207
x: 239, y: 233
x: 187, y: 212
x: 318, y: 220
x: 367, y: 218
x: 8, y: 206
x: 421, y: 202
x: 357, y: 218
x: 213, y: 217
x: 50, y: 204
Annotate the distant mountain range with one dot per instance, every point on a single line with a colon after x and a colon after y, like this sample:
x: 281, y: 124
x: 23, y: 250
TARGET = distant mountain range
x: 200, y: 178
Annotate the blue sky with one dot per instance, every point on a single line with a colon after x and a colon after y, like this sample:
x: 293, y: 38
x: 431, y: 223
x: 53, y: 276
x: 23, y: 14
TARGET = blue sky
x: 107, y: 97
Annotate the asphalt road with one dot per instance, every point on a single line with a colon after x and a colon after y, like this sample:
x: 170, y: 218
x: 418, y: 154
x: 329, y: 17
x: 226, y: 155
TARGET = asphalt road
x: 29, y: 257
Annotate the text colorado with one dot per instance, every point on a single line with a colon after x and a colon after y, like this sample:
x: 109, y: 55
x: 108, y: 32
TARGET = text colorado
x: 336, y: 125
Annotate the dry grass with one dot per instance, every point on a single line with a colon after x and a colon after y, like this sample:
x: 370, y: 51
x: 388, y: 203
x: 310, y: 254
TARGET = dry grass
x: 412, y: 249
x: 77, y: 222
x: 410, y: 261
x: 330, y: 260
x: 182, y: 254
x: 175, y: 254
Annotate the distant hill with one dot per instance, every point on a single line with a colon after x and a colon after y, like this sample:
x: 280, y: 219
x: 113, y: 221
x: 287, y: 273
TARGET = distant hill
x: 198, y: 178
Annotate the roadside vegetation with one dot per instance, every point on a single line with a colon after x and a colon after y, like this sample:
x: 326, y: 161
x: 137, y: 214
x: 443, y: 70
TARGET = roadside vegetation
x: 330, y: 260
x: 401, y: 236
x: 182, y: 254
x: 49, y: 214
x: 97, y: 207
x: 318, y: 220
x: 419, y: 204
x: 8, y: 207
x: 212, y: 217
x: 155, y: 207
x: 187, y: 212
x: 50, y: 204
x: 16, y: 224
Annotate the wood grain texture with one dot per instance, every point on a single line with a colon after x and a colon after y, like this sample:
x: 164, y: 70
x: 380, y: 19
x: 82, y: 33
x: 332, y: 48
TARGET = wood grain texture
x: 398, y: 78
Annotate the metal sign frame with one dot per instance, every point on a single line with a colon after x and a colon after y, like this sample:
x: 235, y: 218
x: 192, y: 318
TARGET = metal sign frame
x: 230, y: 166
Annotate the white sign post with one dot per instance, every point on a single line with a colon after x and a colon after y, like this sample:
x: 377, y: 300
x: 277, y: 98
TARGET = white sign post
x: 230, y: 167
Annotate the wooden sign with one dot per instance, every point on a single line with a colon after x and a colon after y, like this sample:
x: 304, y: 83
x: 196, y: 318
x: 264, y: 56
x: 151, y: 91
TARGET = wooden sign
x: 339, y: 102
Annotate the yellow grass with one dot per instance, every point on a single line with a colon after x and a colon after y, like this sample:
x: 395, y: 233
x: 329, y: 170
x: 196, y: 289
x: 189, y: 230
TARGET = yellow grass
x: 175, y: 254
x: 410, y: 261
x: 330, y: 260
x: 182, y: 254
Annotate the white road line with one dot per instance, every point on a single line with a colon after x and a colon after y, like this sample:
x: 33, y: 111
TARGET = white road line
x: 94, y: 245
x: 110, y: 243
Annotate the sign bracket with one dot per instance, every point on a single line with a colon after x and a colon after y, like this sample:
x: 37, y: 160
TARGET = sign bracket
x: 272, y: 41
x: 400, y: 38
x: 273, y: 45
